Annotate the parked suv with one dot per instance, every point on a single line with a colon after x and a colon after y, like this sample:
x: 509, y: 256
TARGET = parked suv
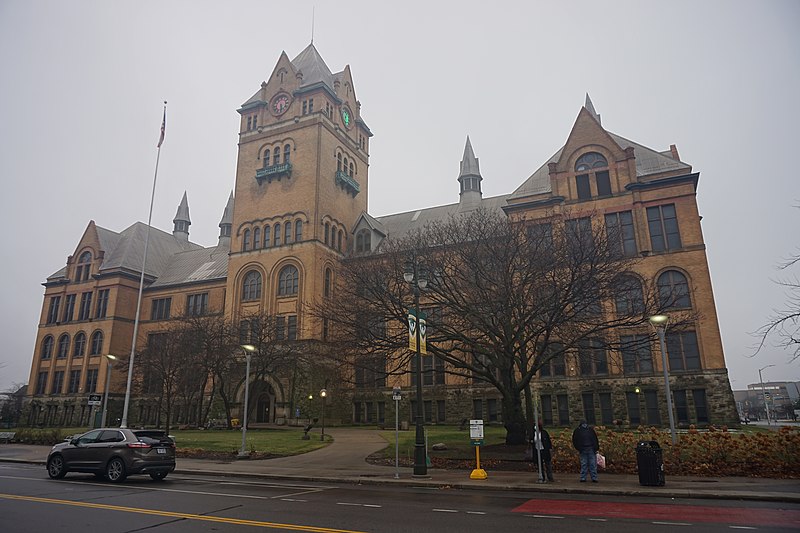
x: 114, y: 454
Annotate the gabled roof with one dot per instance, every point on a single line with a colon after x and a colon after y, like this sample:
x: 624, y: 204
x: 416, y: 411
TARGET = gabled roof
x: 648, y: 161
x: 124, y: 251
x: 205, y: 264
x: 401, y: 224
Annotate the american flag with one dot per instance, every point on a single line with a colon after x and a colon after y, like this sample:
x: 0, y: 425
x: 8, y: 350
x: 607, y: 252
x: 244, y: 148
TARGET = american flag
x: 163, y: 127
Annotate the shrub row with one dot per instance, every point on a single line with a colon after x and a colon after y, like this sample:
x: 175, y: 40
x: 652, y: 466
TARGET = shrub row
x: 715, y: 452
x: 43, y: 436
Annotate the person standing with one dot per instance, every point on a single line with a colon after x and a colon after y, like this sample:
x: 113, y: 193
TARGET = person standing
x: 541, y: 441
x: 584, y: 439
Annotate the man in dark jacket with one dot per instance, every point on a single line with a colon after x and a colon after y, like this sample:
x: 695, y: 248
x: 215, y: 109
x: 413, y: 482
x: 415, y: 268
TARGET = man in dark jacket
x: 584, y: 439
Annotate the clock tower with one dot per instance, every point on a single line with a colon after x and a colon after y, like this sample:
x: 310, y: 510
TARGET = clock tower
x: 301, y: 184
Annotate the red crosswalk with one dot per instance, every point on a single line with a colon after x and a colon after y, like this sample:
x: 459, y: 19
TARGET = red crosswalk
x: 663, y: 512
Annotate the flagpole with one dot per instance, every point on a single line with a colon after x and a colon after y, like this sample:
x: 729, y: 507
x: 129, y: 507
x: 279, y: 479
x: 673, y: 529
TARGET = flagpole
x: 124, y: 423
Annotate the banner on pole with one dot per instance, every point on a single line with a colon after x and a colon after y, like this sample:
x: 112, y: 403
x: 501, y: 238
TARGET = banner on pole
x: 412, y: 332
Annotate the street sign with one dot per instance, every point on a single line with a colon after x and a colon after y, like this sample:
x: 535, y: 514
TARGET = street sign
x: 476, y: 432
x: 95, y: 399
x: 396, y: 394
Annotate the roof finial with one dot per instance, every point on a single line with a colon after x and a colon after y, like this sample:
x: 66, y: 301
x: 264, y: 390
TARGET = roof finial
x: 312, y: 24
x: 590, y: 108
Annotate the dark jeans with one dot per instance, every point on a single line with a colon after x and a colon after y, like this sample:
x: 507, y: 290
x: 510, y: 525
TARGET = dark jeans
x: 588, y: 462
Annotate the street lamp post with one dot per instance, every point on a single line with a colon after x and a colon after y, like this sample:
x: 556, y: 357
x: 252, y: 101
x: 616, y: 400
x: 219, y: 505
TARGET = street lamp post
x: 324, y: 394
x: 763, y: 392
x: 659, y: 323
x: 111, y: 359
x: 414, y: 274
x: 248, y: 352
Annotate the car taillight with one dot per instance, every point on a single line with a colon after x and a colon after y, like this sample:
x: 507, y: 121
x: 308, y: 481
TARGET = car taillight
x: 138, y: 445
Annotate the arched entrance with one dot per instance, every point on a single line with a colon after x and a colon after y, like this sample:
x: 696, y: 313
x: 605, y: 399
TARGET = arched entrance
x: 264, y: 408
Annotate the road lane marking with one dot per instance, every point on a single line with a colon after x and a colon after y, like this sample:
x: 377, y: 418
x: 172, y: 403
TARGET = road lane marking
x: 598, y: 520
x: 672, y: 523
x: 742, y: 527
x: 546, y: 516
x: 292, y: 500
x: 475, y: 512
x: 444, y: 510
x: 351, y: 504
x: 172, y: 514
x: 181, y: 491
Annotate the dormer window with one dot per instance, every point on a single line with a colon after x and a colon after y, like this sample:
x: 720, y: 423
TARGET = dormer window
x: 364, y: 241
x: 589, y: 166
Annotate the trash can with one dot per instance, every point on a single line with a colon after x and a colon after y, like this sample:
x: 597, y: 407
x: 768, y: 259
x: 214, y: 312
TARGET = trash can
x: 650, y: 463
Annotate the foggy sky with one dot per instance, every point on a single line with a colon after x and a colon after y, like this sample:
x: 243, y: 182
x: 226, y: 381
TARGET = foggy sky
x: 83, y: 84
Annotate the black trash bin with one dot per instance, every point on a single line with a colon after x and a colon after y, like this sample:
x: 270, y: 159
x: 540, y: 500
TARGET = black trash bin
x: 650, y: 463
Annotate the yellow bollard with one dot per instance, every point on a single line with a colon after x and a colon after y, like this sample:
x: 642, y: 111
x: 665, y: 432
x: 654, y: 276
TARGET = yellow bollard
x: 478, y: 473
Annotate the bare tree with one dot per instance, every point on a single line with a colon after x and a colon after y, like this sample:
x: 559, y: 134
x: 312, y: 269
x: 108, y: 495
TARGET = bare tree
x: 785, y: 323
x: 502, y: 300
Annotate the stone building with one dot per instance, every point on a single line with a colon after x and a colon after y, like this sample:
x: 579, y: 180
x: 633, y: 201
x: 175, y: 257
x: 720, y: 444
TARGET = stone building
x: 300, y: 206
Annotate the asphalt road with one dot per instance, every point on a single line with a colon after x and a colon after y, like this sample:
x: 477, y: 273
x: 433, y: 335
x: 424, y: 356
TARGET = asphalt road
x: 31, y: 502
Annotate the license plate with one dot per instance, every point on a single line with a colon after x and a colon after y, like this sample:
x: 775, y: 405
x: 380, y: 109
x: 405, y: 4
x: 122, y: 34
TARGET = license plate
x: 161, y: 450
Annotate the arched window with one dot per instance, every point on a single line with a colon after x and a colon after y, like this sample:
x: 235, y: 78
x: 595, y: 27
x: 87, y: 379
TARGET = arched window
x: 360, y: 242
x: 84, y: 266
x: 298, y: 230
x: 97, y: 343
x: 246, y: 240
x: 256, y: 238
x: 267, y: 234
x: 673, y: 290
x: 276, y: 234
x: 63, y: 346
x: 287, y: 233
x: 276, y: 155
x: 344, y: 167
x: 80, y: 345
x: 286, y: 151
x: 339, y: 244
x: 629, y: 297
x: 266, y: 157
x: 590, y: 160
x: 326, y: 290
x: 327, y: 232
x: 47, y: 347
x: 251, y: 288
x: 288, y: 281
x: 339, y: 162
x: 351, y: 169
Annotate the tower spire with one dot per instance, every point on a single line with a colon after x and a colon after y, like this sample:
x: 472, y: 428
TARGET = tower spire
x: 470, y: 179
x: 181, y: 222
x: 226, y: 223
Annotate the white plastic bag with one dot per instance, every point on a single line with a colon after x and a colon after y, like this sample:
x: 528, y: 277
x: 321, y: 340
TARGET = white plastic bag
x: 601, y: 460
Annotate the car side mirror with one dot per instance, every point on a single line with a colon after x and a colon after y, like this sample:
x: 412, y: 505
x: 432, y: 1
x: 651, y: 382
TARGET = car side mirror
x: 74, y: 442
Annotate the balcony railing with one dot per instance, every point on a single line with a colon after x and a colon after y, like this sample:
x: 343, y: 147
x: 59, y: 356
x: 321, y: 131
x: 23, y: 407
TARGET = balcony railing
x: 272, y: 172
x: 347, y: 182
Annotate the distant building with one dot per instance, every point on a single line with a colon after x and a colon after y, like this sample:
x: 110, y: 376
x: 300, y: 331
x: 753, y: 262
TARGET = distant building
x: 300, y: 207
x: 780, y: 396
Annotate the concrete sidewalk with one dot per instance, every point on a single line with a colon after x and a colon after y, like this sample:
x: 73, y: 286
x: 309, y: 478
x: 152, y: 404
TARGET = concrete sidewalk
x: 343, y: 461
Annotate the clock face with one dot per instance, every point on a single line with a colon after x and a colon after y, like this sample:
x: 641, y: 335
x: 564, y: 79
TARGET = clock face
x: 347, y: 118
x: 280, y: 104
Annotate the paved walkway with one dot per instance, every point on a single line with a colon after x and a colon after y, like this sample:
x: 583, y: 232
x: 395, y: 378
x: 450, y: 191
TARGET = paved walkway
x: 344, y: 461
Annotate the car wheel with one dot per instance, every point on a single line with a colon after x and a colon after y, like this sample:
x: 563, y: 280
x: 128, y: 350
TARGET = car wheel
x: 115, y: 470
x: 55, y: 467
x: 158, y: 476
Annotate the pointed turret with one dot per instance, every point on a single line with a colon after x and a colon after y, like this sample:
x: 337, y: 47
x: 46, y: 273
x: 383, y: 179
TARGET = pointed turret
x: 469, y: 179
x: 181, y: 222
x: 590, y: 108
x: 226, y: 223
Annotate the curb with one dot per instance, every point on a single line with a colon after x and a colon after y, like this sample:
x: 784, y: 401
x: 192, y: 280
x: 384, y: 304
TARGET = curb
x: 546, y: 488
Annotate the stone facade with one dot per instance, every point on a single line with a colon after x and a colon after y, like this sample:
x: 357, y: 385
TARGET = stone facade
x: 303, y: 163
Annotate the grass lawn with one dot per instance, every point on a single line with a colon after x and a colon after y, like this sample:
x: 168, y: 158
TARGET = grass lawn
x: 457, y: 441
x: 272, y: 441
